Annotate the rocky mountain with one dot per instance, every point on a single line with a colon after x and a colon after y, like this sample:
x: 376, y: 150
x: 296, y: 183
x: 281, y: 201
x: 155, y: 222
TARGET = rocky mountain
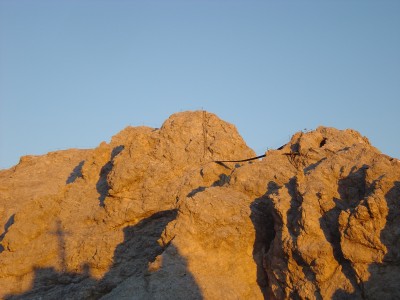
x: 155, y: 214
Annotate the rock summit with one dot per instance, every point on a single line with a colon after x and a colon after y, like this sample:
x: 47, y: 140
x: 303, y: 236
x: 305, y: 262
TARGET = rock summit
x: 154, y: 215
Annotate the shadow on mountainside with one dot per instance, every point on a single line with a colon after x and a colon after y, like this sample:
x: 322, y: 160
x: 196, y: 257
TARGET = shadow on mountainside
x: 130, y: 269
x: 384, y: 279
x: 102, y: 184
x: 352, y: 189
x: 264, y: 234
x: 9, y: 222
x: 76, y: 173
x: 223, y: 179
x: 293, y: 224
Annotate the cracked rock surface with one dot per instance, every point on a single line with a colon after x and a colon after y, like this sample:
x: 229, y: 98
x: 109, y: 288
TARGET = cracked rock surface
x: 151, y: 215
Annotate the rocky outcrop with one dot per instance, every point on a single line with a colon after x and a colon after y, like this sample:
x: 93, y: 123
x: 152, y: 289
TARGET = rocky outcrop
x: 37, y: 176
x: 151, y: 215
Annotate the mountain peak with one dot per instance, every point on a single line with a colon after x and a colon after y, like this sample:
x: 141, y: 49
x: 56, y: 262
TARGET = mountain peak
x: 154, y: 214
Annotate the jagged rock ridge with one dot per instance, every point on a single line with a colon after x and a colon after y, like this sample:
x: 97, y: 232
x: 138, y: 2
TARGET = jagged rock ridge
x: 152, y: 216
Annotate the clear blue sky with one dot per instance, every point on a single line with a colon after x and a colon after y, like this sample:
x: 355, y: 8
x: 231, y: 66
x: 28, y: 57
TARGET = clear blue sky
x: 74, y: 73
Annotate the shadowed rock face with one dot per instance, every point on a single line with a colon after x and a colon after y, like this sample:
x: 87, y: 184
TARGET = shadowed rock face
x: 151, y: 216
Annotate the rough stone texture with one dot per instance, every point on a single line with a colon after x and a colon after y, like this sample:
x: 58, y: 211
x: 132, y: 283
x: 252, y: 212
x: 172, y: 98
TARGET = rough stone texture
x: 150, y: 215
x: 37, y: 176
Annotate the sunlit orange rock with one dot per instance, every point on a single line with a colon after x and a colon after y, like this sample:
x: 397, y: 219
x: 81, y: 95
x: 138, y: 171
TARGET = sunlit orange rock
x: 152, y: 215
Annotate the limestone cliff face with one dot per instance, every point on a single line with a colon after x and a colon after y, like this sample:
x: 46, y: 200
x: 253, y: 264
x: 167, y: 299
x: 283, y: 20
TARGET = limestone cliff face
x: 151, y: 215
